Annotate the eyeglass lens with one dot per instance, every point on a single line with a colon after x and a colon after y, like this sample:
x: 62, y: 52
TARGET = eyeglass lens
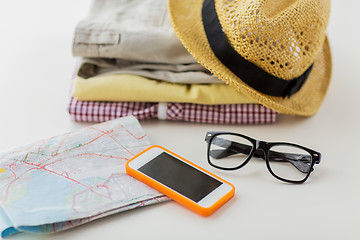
x: 289, y: 162
x: 229, y: 151
x: 285, y: 161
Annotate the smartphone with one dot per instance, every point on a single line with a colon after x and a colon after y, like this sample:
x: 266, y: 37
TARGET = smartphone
x: 180, y: 179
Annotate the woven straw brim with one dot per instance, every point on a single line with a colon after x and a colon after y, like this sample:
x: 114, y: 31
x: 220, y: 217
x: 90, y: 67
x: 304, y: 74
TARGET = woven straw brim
x: 187, y: 23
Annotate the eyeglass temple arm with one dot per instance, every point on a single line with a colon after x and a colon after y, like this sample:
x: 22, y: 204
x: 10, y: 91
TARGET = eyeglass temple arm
x: 299, y: 161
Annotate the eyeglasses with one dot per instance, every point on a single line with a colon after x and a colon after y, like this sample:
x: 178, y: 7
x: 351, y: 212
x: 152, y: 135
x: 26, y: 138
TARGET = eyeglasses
x: 286, y: 161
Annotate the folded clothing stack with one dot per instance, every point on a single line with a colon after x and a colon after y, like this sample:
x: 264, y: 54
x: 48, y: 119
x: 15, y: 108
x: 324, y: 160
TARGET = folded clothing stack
x: 133, y: 64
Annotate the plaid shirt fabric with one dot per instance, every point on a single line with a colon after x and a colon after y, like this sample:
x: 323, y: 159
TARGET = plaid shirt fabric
x: 93, y: 111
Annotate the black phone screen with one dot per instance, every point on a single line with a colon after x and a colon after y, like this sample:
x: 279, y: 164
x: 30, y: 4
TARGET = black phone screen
x: 180, y: 176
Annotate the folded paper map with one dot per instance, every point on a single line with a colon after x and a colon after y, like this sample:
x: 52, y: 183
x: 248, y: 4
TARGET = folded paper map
x: 68, y: 180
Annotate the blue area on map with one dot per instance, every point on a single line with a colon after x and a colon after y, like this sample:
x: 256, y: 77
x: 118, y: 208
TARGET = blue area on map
x: 44, y: 201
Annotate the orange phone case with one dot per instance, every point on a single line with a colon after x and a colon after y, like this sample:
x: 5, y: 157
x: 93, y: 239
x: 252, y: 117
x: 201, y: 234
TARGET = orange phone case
x: 175, y: 195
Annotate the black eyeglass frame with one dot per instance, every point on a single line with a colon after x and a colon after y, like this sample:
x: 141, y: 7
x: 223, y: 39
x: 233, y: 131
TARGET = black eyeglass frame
x: 257, y: 146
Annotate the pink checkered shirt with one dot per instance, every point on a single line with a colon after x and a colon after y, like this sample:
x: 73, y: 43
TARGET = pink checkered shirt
x: 93, y: 111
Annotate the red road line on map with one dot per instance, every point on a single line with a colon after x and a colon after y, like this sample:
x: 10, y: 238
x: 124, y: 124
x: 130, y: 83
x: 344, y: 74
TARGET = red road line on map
x: 66, y: 150
x: 132, y: 133
x: 15, y: 179
x: 91, y: 189
x: 85, y: 154
x: 8, y: 187
x: 107, y: 133
x: 42, y: 140
x: 53, y: 172
x: 43, y: 167
x: 102, y: 185
x: 67, y: 175
x: 14, y: 164
x: 38, y: 166
x: 101, y: 155
x: 57, y: 152
x: 104, y: 133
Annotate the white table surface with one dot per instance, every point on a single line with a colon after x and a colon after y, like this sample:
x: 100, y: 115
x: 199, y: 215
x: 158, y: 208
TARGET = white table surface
x: 36, y: 66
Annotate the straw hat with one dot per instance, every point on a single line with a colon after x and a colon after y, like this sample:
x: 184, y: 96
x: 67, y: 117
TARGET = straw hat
x: 273, y: 51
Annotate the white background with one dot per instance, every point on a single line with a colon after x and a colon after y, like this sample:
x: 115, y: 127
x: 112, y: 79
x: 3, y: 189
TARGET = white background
x: 36, y: 66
